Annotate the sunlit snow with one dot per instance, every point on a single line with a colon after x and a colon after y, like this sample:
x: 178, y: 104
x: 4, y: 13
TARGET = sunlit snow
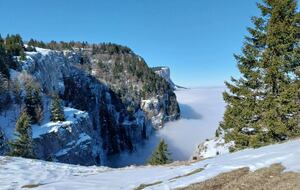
x: 16, y: 173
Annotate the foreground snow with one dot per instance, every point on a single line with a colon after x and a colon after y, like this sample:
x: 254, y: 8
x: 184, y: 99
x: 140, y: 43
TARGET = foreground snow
x: 18, y: 172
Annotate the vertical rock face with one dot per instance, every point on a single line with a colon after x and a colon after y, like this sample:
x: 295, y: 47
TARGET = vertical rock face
x: 164, y: 72
x: 70, y: 142
x: 112, y: 96
x: 136, y: 84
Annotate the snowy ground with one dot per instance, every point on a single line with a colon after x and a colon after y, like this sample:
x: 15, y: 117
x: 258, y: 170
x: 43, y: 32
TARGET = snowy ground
x: 201, y: 110
x: 17, y: 172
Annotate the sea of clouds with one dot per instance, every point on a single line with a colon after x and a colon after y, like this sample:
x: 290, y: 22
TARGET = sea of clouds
x: 201, y: 111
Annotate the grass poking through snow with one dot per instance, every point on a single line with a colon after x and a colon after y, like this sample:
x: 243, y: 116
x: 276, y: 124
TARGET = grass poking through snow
x: 143, y: 186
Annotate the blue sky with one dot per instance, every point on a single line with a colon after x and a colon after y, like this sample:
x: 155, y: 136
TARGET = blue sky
x: 195, y: 38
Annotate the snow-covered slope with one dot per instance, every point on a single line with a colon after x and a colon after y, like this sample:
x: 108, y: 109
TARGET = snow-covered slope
x: 16, y: 173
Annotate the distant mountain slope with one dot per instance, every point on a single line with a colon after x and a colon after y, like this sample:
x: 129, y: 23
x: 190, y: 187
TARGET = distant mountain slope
x: 17, y: 172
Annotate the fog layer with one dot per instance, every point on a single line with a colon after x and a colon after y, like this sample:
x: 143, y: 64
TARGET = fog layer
x: 201, y: 111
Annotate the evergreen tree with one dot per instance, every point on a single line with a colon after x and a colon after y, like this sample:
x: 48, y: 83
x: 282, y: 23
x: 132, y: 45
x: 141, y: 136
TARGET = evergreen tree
x: 280, y: 61
x: 245, y: 94
x: 14, y: 45
x: 33, y: 103
x: 57, y: 112
x: 22, y: 56
x: 23, y: 145
x: 5, y: 99
x: 3, y: 64
x: 262, y: 104
x: 161, y: 155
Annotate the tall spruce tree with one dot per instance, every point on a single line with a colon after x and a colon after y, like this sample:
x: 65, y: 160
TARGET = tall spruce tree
x: 263, y: 104
x: 161, y: 155
x: 22, y: 146
x: 33, y: 103
x: 280, y: 61
x: 243, y: 101
x: 57, y: 112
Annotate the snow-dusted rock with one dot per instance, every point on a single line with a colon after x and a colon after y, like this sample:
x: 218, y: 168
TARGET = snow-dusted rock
x: 69, y: 141
x: 211, y: 148
x: 164, y: 72
x: 153, y: 108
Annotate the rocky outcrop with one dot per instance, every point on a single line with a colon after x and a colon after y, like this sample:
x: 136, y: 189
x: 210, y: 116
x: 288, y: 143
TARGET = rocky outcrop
x: 72, y: 141
x: 164, y: 72
x: 211, y: 148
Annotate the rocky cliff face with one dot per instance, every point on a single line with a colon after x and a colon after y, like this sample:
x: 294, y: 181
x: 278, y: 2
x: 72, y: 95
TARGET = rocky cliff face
x: 135, y: 83
x: 111, y: 88
x: 164, y: 72
x: 72, y: 141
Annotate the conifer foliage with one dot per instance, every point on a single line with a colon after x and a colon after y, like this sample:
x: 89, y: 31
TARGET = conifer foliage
x: 263, y: 105
x: 33, y: 103
x: 161, y: 155
x: 22, y: 147
x: 57, y: 112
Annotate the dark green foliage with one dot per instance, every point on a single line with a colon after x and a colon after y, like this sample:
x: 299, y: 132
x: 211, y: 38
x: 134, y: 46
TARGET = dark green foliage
x: 5, y: 99
x: 110, y: 48
x: 57, y: 112
x: 33, y: 103
x: 6, y: 58
x: 31, y: 48
x: 4, y: 66
x: 35, y: 43
x: 22, y: 56
x: 55, y: 45
x: 22, y: 146
x: 14, y: 45
x: 263, y: 105
x: 161, y: 155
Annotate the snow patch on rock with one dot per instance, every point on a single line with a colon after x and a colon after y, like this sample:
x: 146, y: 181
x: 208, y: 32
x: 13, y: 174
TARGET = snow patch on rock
x: 152, y: 108
x: 212, y: 148
x: 165, y: 73
x: 71, y: 116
